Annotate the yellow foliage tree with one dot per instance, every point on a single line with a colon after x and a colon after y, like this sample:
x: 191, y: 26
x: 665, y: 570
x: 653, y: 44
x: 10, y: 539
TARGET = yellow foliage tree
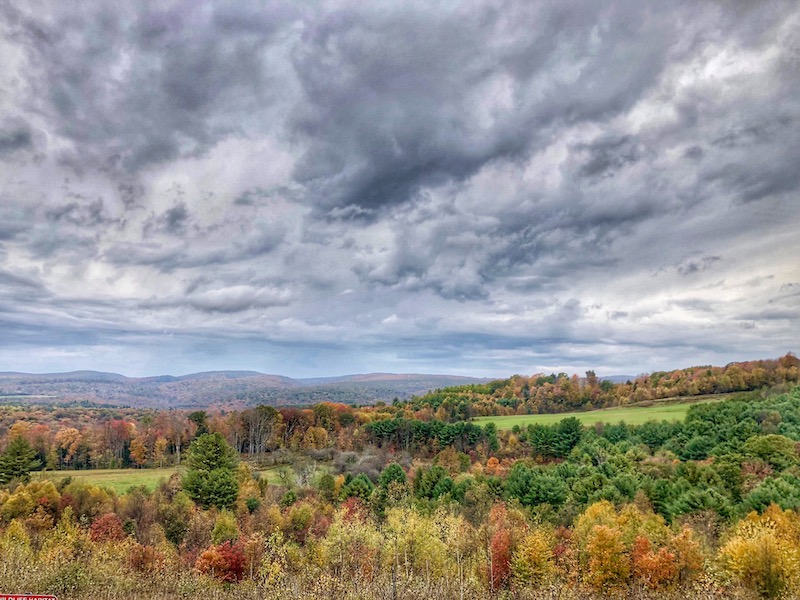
x: 274, y: 561
x: 19, y: 504
x: 688, y: 552
x: 159, y: 450
x: 613, y: 544
x: 416, y: 545
x: 532, y: 561
x: 352, y: 548
x: 139, y: 450
x: 763, y: 552
x: 15, y: 543
x: 608, y: 564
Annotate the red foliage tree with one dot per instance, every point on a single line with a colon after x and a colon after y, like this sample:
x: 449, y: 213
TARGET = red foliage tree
x: 107, y: 528
x: 499, y: 559
x: 653, y: 568
x: 145, y: 559
x: 225, y: 561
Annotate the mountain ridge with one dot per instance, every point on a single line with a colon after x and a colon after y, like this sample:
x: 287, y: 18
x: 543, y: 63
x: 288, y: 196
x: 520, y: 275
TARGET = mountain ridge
x: 222, y: 389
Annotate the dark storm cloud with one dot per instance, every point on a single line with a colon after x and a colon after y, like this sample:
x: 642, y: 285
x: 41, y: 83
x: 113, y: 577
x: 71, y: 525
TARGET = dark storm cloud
x: 402, y: 100
x: 605, y: 156
x: 12, y: 140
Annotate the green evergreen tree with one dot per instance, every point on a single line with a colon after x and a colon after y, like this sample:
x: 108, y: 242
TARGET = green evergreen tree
x: 211, y: 476
x: 360, y: 487
x: 393, y: 472
x: 18, y: 461
x: 199, y: 418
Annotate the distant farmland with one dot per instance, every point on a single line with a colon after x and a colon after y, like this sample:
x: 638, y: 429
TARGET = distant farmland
x: 633, y: 415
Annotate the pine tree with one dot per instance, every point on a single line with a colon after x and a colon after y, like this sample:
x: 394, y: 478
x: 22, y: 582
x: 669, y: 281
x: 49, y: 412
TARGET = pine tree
x: 18, y: 461
x: 211, y: 476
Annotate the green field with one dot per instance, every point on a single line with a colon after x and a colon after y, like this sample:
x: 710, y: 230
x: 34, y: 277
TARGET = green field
x: 632, y: 415
x: 119, y: 480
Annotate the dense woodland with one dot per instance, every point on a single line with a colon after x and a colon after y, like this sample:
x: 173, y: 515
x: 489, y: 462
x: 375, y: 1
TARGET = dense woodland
x: 393, y: 502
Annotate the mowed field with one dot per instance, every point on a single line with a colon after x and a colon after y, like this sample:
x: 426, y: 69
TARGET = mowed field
x: 121, y: 480
x: 632, y: 415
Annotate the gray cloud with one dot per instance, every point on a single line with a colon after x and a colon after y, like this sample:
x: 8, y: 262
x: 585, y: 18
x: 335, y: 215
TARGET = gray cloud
x: 691, y: 266
x: 605, y: 156
x: 426, y: 98
x: 401, y: 186
x: 141, y: 83
x: 13, y: 140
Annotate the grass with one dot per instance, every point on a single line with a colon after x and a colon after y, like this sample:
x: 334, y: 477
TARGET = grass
x: 121, y: 480
x: 632, y: 415
x: 272, y: 474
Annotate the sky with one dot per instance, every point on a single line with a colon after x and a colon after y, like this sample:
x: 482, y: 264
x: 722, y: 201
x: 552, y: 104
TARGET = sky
x: 474, y: 187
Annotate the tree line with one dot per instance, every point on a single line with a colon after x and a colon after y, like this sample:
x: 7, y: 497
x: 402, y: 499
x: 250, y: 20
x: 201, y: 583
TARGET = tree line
x: 83, y: 438
x: 561, y: 392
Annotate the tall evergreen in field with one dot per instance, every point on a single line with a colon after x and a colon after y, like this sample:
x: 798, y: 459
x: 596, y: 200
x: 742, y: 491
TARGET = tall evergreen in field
x: 18, y: 460
x: 211, y: 476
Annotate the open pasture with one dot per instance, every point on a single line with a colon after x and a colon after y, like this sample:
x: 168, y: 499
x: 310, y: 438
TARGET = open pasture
x: 632, y: 415
x: 121, y: 480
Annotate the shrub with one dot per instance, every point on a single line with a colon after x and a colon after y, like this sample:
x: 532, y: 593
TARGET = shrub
x: 145, y: 558
x: 224, y: 561
x: 107, y: 528
x: 225, y: 528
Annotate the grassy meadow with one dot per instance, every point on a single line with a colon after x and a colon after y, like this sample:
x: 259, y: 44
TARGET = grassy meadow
x: 632, y: 415
x: 121, y: 480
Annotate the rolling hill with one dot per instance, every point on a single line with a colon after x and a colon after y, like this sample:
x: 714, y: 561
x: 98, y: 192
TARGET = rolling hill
x: 215, y: 388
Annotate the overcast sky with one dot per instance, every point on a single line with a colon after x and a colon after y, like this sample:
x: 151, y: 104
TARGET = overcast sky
x: 478, y: 188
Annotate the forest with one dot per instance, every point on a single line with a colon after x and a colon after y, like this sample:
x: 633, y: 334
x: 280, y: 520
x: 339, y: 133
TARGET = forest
x: 406, y: 501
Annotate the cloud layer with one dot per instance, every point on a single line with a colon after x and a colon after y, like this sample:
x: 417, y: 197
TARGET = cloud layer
x: 479, y: 188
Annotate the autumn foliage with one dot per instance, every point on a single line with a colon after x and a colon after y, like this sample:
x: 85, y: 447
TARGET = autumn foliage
x: 225, y: 561
x: 707, y: 507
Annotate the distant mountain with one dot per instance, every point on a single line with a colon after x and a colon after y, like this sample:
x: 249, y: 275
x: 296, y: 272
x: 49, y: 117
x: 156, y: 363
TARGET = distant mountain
x: 69, y: 376
x: 224, y: 389
x: 233, y: 375
x: 370, y: 377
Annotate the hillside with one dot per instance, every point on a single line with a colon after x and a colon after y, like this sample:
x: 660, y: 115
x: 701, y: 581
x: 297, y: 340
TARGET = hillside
x: 558, y: 393
x: 224, y: 389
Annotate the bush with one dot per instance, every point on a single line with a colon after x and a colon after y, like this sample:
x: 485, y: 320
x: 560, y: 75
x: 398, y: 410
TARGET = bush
x: 225, y: 561
x: 107, y: 528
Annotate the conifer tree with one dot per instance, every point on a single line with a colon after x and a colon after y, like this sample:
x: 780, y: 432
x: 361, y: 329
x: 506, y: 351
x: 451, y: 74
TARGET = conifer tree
x: 211, y: 476
x: 18, y: 461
